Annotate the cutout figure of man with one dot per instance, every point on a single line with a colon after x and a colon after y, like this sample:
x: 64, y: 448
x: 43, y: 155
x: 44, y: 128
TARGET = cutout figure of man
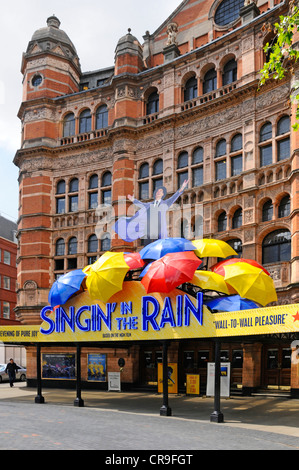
x: 150, y: 222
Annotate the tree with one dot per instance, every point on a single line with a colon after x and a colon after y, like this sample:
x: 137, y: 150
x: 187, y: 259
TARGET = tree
x: 281, y: 53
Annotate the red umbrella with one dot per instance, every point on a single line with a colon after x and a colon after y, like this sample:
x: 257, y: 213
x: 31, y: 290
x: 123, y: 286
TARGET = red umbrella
x: 170, y: 271
x: 219, y: 267
x: 134, y: 260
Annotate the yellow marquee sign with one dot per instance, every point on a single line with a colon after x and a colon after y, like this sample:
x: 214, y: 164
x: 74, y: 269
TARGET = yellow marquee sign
x: 134, y: 315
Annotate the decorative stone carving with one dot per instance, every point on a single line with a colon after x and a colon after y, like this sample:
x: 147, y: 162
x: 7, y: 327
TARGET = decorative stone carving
x: 30, y: 285
x: 172, y: 31
x: 249, y: 2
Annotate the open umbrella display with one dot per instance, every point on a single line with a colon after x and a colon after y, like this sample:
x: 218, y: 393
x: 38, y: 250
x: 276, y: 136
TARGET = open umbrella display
x: 251, y: 282
x: 231, y: 303
x: 207, y: 280
x: 209, y: 247
x: 66, y: 286
x: 134, y: 260
x: 163, y: 246
x: 170, y: 271
x: 219, y: 267
x: 105, y: 277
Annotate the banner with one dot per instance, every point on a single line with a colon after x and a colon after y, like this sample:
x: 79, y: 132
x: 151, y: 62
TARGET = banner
x: 224, y: 379
x: 134, y: 315
x: 172, y: 371
x: 192, y: 384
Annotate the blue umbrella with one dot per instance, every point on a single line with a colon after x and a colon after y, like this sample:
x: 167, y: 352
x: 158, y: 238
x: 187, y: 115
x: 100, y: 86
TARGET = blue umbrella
x: 230, y: 303
x: 161, y: 247
x: 145, y: 270
x: 65, y: 287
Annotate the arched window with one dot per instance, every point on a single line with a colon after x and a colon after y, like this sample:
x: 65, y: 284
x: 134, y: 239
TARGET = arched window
x: 72, y: 246
x: 158, y: 167
x: 237, y: 219
x: 267, y: 211
x: 69, y: 125
x: 220, y: 148
x: 266, y: 132
x: 60, y: 188
x: 152, y: 105
x: 144, y: 170
x: 157, y: 170
x: 105, y: 243
x: 106, y: 193
x: 60, y: 201
x: 236, y: 143
x: 229, y: 72
x: 277, y: 247
x: 228, y: 11
x: 283, y: 145
x: 266, y: 150
x: 92, y: 244
x: 73, y: 198
x: 74, y: 185
x: 190, y: 90
x: 60, y: 247
x: 183, y: 160
x: 182, y: 164
x: 106, y: 179
x: 222, y: 222
x: 283, y: 125
x: 210, y: 81
x: 93, y: 182
x: 144, y: 185
x: 102, y: 117
x: 197, y: 156
x: 85, y: 121
x: 284, y: 207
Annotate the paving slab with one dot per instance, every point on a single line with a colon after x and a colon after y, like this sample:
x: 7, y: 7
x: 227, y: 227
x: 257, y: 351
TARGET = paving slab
x: 122, y: 421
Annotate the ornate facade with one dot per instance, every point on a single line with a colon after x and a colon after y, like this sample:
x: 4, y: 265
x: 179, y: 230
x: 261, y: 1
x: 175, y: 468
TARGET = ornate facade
x: 184, y: 104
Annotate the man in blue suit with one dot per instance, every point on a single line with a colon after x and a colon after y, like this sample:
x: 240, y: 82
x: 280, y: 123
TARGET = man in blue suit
x: 150, y: 221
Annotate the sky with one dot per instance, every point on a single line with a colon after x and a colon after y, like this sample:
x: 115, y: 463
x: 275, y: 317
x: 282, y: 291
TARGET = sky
x: 94, y: 27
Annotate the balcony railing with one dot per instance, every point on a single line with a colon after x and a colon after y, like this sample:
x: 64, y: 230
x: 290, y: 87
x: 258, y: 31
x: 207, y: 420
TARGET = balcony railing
x: 84, y: 136
x: 208, y: 96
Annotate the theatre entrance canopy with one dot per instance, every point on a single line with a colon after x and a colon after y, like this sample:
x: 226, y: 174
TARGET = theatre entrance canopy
x: 133, y: 315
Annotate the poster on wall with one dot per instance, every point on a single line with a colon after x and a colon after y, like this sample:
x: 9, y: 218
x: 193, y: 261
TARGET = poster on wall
x: 96, y: 366
x: 224, y: 379
x: 172, y: 370
x: 192, y: 384
x: 58, y: 366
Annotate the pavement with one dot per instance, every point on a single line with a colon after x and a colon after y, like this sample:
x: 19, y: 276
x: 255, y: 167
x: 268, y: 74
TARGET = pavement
x: 131, y: 421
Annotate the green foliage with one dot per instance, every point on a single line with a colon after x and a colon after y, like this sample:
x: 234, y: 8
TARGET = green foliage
x: 281, y: 53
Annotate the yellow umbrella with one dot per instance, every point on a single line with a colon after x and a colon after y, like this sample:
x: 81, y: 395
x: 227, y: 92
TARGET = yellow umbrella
x: 208, y: 280
x: 211, y: 247
x: 105, y: 277
x: 251, y: 282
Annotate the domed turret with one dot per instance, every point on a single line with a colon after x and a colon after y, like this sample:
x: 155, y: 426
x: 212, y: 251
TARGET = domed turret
x: 128, y: 55
x: 50, y: 65
x: 54, y: 40
x: 51, y: 69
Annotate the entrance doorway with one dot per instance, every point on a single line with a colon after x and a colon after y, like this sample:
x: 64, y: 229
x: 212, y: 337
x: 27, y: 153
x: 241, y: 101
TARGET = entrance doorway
x: 149, y: 359
x: 277, y: 366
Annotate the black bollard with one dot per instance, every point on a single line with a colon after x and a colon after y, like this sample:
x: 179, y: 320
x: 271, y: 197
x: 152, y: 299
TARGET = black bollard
x: 217, y: 416
x: 39, y: 398
x: 165, y: 410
